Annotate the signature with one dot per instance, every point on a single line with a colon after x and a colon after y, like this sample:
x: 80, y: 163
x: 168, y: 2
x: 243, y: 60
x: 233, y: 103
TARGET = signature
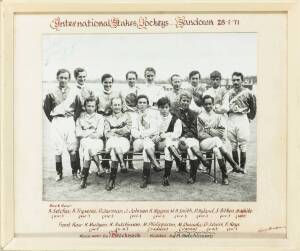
x: 186, y: 234
x: 261, y: 230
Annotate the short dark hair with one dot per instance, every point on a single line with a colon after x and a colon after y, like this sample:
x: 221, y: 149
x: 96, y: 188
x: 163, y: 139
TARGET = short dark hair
x: 60, y: 71
x: 131, y: 100
x: 215, y: 74
x: 106, y: 75
x: 91, y: 98
x: 77, y: 70
x: 131, y: 72
x: 174, y: 75
x: 142, y: 96
x: 238, y: 74
x: 150, y: 69
x: 192, y: 73
x: 207, y: 97
x: 163, y: 101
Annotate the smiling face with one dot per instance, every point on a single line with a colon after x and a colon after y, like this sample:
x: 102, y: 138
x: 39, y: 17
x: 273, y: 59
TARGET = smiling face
x: 81, y: 78
x: 237, y: 82
x: 63, y: 79
x: 142, y: 104
x: 176, y: 83
x: 116, y: 105
x: 90, y: 107
x: 149, y: 76
x: 107, y: 84
x: 131, y: 79
x: 185, y: 102
x: 208, y: 104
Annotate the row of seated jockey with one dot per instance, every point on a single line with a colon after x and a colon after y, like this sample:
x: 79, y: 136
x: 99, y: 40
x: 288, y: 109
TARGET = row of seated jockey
x: 116, y: 147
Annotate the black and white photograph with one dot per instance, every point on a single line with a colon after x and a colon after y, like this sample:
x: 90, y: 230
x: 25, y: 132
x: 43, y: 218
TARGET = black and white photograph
x: 125, y: 123
x: 149, y: 117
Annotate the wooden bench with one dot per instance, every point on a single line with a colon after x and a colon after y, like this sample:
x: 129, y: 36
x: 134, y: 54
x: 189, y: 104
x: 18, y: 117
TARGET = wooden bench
x: 134, y: 154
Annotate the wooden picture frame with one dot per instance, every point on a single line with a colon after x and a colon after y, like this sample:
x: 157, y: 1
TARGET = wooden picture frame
x: 9, y: 9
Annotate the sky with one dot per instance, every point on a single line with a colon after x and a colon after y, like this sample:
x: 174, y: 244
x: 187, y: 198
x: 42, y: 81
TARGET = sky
x: 168, y: 53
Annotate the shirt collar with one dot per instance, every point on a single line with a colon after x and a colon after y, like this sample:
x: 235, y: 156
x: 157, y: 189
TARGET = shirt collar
x: 107, y: 92
x: 79, y: 86
x: 144, y: 112
x: 239, y: 91
x: 166, y: 118
x: 63, y: 90
x: 117, y: 116
x: 91, y: 115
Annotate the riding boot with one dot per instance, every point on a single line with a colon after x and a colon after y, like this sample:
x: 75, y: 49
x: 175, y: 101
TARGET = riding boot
x: 223, y: 168
x: 74, y: 169
x: 175, y: 153
x: 193, y: 171
x: 78, y: 162
x: 59, y: 171
x: 157, y: 156
x: 209, y: 160
x: 146, y: 174
x: 85, y: 173
x: 168, y: 167
x: 112, y: 177
x: 228, y: 158
x: 154, y: 162
x: 243, y: 162
x: 235, y: 156
x: 200, y: 156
